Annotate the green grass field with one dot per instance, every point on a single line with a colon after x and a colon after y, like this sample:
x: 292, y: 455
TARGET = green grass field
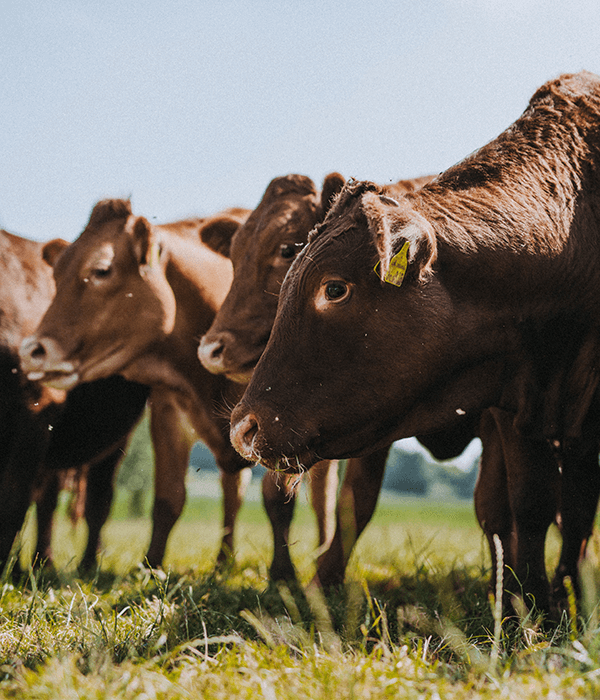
x: 414, y: 620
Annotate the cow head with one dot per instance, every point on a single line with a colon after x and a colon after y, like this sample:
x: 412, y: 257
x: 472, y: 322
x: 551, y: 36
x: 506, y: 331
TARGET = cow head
x: 262, y: 251
x: 364, y: 333
x: 111, y: 278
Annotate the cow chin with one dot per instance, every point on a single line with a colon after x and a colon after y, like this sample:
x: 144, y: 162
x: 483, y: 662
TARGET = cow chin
x: 297, y: 464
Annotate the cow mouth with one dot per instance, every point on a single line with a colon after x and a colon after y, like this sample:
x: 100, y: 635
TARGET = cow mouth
x: 296, y: 464
x: 57, y: 379
x: 243, y: 374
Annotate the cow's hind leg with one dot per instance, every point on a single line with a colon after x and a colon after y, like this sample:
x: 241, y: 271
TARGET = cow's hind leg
x: 580, y: 488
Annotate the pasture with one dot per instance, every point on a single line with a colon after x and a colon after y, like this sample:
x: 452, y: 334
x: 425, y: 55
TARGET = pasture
x: 414, y: 620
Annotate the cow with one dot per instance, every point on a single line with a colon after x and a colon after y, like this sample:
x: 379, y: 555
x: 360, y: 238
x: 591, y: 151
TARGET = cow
x: 407, y: 315
x: 43, y: 431
x: 261, y: 251
x: 134, y: 299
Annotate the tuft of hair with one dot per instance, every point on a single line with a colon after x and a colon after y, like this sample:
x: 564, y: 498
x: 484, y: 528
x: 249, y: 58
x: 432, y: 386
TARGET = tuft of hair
x: 108, y: 210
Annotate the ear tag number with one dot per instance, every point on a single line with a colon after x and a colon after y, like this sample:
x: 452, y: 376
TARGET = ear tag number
x: 398, y: 265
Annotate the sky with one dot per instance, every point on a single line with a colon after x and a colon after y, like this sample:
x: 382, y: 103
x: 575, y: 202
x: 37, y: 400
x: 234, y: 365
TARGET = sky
x: 189, y: 107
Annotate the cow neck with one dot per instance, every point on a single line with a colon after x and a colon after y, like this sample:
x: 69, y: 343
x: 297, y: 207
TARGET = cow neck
x: 521, y: 256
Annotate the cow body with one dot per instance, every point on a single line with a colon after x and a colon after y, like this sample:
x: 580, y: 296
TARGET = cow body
x: 42, y: 430
x: 491, y: 299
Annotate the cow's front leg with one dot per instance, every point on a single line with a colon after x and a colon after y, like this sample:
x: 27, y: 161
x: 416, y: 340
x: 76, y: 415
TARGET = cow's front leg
x: 492, y: 504
x: 279, y: 493
x: 234, y: 485
x: 172, y: 440
x: 98, y: 500
x: 533, y: 482
x: 356, y: 504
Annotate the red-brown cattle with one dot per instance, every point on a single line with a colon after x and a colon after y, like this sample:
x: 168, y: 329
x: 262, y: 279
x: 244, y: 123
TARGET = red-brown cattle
x: 134, y: 299
x: 485, y: 294
x: 261, y: 251
x: 42, y: 430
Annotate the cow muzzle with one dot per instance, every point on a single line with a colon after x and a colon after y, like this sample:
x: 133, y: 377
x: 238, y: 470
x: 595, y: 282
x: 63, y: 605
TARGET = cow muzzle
x: 42, y: 361
x: 250, y: 440
x: 217, y: 355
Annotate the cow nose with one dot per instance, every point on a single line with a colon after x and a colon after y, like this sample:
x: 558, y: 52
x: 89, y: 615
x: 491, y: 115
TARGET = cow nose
x: 243, y: 436
x: 41, y: 355
x: 32, y: 353
x: 211, y: 354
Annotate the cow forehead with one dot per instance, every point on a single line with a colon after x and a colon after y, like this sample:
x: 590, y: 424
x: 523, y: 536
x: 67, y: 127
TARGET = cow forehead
x: 287, y: 218
x: 94, y: 247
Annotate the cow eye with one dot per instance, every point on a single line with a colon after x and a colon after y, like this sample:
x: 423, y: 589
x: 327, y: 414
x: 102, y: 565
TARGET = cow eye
x: 101, y: 273
x: 287, y: 250
x: 336, y: 290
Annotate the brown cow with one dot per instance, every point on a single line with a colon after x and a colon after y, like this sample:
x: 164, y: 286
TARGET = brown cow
x: 262, y: 251
x: 134, y: 299
x: 42, y: 430
x: 485, y: 295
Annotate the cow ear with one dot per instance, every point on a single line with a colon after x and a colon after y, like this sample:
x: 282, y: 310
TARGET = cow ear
x: 218, y: 232
x: 52, y: 250
x: 404, y: 239
x: 332, y: 185
x: 146, y: 244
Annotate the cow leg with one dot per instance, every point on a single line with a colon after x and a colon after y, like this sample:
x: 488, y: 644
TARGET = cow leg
x: 46, y: 501
x: 279, y: 493
x: 279, y: 499
x: 356, y: 504
x: 492, y: 503
x: 580, y: 489
x: 534, y: 490
x: 323, y: 484
x: 234, y: 486
x: 172, y: 440
x: 98, y: 500
x: 21, y: 470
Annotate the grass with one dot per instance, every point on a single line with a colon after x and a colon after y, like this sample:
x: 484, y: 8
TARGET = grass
x: 414, y: 620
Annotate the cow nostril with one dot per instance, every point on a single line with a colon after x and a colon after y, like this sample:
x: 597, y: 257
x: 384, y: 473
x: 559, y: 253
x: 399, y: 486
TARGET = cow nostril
x: 243, y: 436
x: 216, y: 351
x: 38, y: 352
x: 251, y: 431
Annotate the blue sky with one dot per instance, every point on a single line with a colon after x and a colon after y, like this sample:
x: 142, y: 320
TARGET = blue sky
x: 193, y: 106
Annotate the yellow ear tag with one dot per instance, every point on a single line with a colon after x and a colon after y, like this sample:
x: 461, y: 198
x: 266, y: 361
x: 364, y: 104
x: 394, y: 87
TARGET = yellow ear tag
x: 398, y: 265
